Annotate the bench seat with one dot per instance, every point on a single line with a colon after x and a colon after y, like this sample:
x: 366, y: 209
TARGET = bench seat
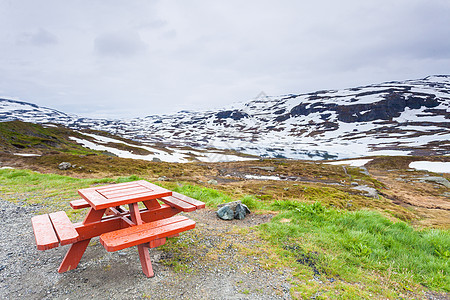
x: 78, y: 204
x: 52, y: 230
x: 182, y: 202
x: 145, y: 233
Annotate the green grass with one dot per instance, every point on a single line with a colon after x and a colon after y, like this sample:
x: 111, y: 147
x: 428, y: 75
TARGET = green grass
x: 17, y: 135
x: 363, y: 251
x: 354, y: 245
x: 212, y: 197
x: 51, y: 190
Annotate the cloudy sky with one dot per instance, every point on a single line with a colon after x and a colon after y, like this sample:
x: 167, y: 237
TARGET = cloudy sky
x: 135, y: 58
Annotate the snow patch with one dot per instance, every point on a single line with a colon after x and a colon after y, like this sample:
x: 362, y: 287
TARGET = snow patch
x: 431, y: 166
x: 351, y: 163
x: 262, y: 177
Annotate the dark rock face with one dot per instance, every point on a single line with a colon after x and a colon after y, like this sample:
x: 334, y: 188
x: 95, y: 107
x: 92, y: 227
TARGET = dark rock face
x: 391, y: 106
x: 231, y: 114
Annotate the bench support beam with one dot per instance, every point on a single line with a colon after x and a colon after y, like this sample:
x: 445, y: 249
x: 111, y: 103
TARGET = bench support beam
x: 144, y: 257
x: 73, y: 256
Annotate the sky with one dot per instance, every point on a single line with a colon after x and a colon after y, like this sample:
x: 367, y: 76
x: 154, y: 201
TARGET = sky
x: 133, y: 58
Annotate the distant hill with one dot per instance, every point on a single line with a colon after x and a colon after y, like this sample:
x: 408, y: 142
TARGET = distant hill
x: 399, y: 118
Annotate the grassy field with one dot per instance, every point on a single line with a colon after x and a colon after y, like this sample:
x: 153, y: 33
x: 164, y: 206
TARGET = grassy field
x: 365, y: 251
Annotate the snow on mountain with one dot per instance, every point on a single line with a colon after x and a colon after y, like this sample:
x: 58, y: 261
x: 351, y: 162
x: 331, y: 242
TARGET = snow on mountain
x: 391, y: 118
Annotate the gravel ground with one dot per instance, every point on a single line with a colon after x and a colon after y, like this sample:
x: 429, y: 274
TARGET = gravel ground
x: 215, y: 270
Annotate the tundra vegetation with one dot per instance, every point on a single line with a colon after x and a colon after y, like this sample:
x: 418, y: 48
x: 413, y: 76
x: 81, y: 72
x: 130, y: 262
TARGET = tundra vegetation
x: 335, y: 241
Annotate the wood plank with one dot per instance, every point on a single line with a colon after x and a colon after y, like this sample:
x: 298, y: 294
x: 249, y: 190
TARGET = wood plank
x: 117, y: 185
x: 92, y: 197
x: 64, y: 228
x: 44, y: 233
x: 146, y: 263
x: 123, y: 192
x: 79, y: 204
x: 99, y: 202
x: 132, y: 236
x: 195, y: 202
x: 154, y: 187
x: 73, y: 256
x: 94, y: 215
x: 181, y: 205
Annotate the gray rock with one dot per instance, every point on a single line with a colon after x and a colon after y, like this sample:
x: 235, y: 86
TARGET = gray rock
x: 212, y: 181
x: 241, y: 211
x: 439, y: 180
x: 155, y: 159
x: 370, y: 192
x: 364, y: 171
x: 64, y: 165
x: 162, y: 178
x: 232, y: 205
x: 354, y: 183
x: 270, y: 169
x: 225, y: 213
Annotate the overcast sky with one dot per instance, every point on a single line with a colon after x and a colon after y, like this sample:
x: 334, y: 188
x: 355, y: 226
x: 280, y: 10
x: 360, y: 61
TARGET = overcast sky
x: 135, y: 58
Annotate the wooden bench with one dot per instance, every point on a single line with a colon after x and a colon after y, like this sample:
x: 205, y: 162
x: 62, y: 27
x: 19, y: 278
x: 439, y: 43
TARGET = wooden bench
x: 153, y: 233
x: 79, y: 204
x: 51, y: 230
x: 182, y: 202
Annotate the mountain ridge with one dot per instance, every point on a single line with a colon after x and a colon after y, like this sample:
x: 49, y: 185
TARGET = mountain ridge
x: 395, y: 117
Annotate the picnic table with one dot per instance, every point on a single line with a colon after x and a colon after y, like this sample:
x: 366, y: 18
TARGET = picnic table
x: 117, y: 226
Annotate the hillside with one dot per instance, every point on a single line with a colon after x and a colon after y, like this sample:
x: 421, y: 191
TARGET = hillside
x: 409, y: 117
x: 372, y: 228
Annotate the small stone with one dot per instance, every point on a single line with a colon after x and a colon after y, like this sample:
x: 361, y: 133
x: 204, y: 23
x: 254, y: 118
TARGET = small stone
x: 64, y: 166
x: 162, y: 178
x: 354, y: 183
x: 212, y: 181
x: 155, y: 159
x: 270, y: 169
x: 225, y: 213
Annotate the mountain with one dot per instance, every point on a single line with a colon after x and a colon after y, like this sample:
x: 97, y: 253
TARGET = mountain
x: 390, y: 118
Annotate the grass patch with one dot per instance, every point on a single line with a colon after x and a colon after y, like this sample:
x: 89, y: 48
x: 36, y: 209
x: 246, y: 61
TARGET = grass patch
x: 363, y: 252
x: 353, y: 246
x: 51, y: 190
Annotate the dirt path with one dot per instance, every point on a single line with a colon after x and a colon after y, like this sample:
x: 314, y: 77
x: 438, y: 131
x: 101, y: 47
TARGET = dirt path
x: 205, y: 263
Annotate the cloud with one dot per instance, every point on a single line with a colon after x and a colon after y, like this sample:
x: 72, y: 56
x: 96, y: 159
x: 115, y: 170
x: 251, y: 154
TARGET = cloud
x: 38, y: 37
x: 119, y: 44
x: 164, y: 56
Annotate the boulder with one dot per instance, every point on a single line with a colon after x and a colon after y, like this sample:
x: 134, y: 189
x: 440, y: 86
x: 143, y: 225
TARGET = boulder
x: 241, y: 211
x: 439, y: 180
x: 225, y: 213
x: 236, y: 209
x: 64, y: 165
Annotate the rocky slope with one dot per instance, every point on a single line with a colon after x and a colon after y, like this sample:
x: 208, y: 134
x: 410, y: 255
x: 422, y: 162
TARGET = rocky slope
x: 404, y: 117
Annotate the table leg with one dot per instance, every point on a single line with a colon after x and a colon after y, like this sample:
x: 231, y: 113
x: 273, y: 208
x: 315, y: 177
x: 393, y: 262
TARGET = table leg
x: 135, y: 214
x: 144, y: 255
x: 73, y: 256
x: 76, y: 250
x: 146, y: 262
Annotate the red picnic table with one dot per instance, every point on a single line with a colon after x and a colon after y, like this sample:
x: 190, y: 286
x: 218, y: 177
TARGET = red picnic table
x: 117, y: 227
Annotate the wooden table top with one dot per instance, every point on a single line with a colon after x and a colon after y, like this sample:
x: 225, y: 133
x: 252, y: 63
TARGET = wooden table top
x: 122, y: 193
